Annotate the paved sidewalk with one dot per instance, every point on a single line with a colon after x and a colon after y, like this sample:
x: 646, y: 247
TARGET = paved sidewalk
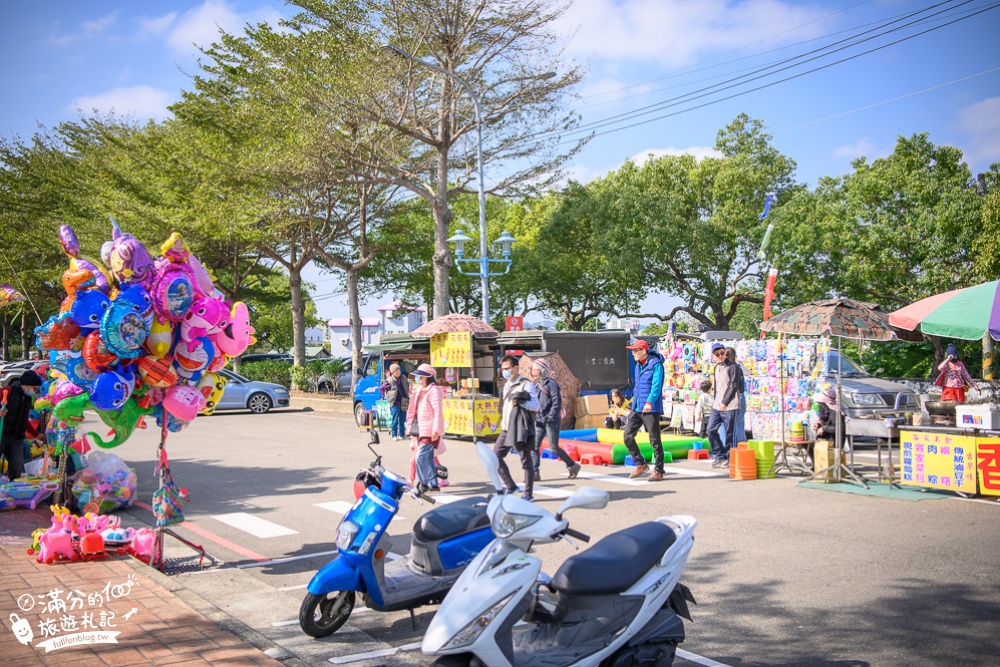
x: 70, y: 602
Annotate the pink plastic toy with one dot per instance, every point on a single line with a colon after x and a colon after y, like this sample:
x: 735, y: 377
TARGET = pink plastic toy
x: 234, y: 339
x: 184, y: 402
x: 57, y: 542
x: 143, y: 543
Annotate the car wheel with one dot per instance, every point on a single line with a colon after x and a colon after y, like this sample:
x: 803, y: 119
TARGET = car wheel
x: 322, y: 615
x: 359, y: 411
x: 325, y: 386
x: 259, y: 403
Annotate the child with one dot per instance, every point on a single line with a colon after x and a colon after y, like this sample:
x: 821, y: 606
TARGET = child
x: 619, y: 410
x: 703, y: 408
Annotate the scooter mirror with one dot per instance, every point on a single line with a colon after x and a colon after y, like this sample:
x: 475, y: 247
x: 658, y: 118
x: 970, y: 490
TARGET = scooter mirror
x: 490, y: 464
x: 375, y: 440
x: 587, y: 497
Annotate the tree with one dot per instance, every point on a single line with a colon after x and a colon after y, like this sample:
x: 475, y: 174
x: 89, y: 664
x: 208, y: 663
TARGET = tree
x: 690, y: 228
x: 503, y: 50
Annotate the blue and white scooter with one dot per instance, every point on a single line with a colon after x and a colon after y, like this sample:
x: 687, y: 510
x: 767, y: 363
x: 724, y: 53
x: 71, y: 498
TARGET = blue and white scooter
x: 445, y: 540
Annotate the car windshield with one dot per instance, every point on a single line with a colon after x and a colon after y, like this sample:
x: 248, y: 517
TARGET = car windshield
x: 235, y: 376
x: 837, y: 361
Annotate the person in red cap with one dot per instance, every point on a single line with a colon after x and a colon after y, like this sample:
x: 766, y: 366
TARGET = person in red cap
x: 647, y: 406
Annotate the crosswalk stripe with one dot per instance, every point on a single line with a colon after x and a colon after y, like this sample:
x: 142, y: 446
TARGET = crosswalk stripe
x: 338, y: 506
x: 254, y: 525
x: 551, y: 492
x: 384, y: 653
x: 445, y: 498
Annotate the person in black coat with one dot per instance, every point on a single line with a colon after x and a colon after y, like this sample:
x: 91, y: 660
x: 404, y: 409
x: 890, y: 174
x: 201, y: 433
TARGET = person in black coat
x: 16, y: 401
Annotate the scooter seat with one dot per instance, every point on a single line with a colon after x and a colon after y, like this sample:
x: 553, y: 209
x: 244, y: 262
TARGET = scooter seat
x: 615, y: 563
x: 461, y: 516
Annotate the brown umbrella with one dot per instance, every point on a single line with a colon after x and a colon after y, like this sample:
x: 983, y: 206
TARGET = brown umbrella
x: 456, y: 322
x: 833, y: 317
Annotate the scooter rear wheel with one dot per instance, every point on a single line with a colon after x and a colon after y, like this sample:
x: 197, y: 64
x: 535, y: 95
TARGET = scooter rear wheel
x: 322, y: 615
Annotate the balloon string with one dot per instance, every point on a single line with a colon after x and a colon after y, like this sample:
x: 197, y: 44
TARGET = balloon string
x: 17, y: 277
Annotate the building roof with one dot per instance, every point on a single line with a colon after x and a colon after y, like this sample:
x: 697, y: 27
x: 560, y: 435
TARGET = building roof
x: 395, y: 305
x: 346, y: 322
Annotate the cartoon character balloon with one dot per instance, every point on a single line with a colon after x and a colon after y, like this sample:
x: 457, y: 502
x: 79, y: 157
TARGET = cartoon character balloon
x: 129, y: 260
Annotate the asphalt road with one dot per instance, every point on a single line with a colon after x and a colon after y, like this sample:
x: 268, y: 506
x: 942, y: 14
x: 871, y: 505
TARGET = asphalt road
x: 783, y: 575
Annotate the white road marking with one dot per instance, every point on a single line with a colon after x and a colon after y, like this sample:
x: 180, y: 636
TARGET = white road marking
x: 446, y: 498
x: 294, y: 588
x: 552, y: 492
x: 701, y: 660
x: 283, y: 624
x: 254, y: 525
x: 279, y: 561
x: 338, y: 506
x: 345, y: 659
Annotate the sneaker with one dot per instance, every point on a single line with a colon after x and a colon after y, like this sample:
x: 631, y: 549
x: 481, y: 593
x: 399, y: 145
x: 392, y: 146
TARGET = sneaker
x: 434, y: 489
x: 639, y: 470
x: 655, y: 477
x: 724, y: 463
x: 512, y: 491
x: 574, y: 470
x: 716, y: 463
x: 525, y: 496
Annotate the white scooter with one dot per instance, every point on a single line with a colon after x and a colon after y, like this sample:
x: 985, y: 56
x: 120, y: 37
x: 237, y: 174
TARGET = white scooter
x: 617, y: 604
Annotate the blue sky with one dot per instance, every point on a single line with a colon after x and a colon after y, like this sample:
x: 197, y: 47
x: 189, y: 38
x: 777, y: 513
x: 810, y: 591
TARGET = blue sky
x: 59, y: 57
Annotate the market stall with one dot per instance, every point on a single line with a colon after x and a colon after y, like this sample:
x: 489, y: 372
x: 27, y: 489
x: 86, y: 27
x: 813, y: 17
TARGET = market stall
x: 460, y: 347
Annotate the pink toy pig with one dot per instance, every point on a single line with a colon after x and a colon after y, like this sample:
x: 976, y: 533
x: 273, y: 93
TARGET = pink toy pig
x: 238, y: 336
x: 143, y: 544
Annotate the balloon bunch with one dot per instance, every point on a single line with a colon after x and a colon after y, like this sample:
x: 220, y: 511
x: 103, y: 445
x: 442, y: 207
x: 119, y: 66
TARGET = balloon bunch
x: 137, y: 336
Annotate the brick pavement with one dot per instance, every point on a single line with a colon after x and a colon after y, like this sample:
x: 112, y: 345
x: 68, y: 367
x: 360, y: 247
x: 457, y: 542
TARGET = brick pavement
x: 163, y: 630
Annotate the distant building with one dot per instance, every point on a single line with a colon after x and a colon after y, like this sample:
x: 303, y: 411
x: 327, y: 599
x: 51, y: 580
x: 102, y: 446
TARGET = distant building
x: 340, y: 334
x: 392, y: 320
x: 631, y: 325
x: 315, y: 336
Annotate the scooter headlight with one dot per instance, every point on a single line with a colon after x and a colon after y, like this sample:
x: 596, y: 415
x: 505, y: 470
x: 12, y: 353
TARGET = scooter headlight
x: 471, y: 632
x: 345, y: 534
x: 506, y: 523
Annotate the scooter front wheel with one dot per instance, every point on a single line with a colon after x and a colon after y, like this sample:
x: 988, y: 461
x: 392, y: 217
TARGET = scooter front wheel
x: 460, y: 660
x: 322, y: 615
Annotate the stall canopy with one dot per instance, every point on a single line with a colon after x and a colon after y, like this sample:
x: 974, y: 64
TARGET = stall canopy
x: 394, y: 343
x: 455, y: 322
x: 967, y: 313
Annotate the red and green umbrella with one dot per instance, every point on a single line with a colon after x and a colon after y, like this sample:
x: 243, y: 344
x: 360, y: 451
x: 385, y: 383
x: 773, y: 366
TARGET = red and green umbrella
x: 967, y: 314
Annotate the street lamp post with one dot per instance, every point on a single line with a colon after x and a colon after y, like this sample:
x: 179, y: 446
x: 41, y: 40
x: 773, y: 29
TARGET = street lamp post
x: 460, y: 239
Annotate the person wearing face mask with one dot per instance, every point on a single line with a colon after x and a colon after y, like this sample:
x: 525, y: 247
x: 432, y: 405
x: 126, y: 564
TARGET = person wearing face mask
x: 548, y: 419
x: 16, y: 400
x: 426, y: 424
x: 517, y: 425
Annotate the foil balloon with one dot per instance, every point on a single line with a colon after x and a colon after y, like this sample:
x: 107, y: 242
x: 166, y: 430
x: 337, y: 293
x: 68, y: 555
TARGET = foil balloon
x: 192, y: 359
x: 202, y: 277
x: 78, y: 373
x: 173, y: 293
x: 74, y: 281
x: 89, y: 307
x: 238, y: 336
x: 161, y: 337
x: 205, y: 315
x: 137, y: 298
x: 211, y: 386
x: 112, y: 388
x: 184, y: 402
x: 60, y: 332
x: 123, y: 421
x: 123, y: 330
x: 71, y: 246
x: 157, y: 373
x: 96, y: 354
x: 174, y: 424
x: 129, y: 261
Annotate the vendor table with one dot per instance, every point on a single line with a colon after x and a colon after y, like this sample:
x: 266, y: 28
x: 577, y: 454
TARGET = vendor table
x: 796, y: 464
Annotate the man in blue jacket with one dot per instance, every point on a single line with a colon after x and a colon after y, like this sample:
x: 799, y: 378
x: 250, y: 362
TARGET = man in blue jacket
x: 647, y: 406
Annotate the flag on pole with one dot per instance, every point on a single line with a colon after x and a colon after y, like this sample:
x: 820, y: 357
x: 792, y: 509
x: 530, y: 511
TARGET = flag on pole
x: 9, y: 295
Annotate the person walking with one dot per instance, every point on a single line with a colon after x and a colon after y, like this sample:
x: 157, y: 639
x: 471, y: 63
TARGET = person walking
x: 16, y: 400
x: 647, y: 406
x: 725, y: 406
x: 548, y: 419
x: 426, y: 421
x: 517, y: 426
x: 740, y: 426
x: 395, y: 390
x: 954, y: 378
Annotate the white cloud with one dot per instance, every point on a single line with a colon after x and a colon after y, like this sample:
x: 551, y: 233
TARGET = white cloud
x: 156, y: 25
x: 674, y: 33
x: 200, y: 26
x: 139, y: 102
x: 698, y: 152
x: 87, y: 30
x: 861, y: 148
x: 981, y: 122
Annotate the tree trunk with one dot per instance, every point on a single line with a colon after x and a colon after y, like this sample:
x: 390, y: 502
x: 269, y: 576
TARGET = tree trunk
x: 298, y: 317
x: 6, y: 338
x: 355, y: 315
x: 442, y: 258
x: 987, y: 356
x: 24, y: 336
x: 938, y: 353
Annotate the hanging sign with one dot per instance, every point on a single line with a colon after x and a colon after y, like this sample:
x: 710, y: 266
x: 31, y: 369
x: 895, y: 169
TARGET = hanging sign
x: 988, y: 466
x: 515, y: 323
x: 452, y: 349
x: 938, y: 461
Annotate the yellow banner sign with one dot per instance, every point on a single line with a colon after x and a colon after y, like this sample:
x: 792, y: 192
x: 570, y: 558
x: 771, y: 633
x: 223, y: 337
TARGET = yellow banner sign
x: 988, y: 466
x: 453, y: 349
x: 938, y: 461
x: 467, y: 417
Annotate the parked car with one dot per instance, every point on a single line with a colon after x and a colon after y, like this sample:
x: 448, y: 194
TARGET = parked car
x: 325, y: 382
x: 268, y: 356
x: 865, y: 396
x: 14, y: 369
x: 257, y: 397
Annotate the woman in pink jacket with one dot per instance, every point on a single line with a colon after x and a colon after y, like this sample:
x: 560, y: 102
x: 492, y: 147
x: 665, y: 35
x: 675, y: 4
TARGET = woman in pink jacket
x: 425, y: 410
